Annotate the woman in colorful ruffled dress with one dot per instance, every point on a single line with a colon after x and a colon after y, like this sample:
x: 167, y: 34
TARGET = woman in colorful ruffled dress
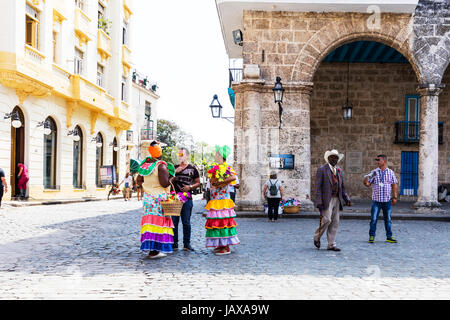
x: 220, y: 225
x: 156, y: 229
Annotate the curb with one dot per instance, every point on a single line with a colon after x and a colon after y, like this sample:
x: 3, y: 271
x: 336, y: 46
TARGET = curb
x: 347, y: 216
x: 53, y: 202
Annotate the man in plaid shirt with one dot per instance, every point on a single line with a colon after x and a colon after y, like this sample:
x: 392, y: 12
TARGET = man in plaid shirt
x: 384, y: 184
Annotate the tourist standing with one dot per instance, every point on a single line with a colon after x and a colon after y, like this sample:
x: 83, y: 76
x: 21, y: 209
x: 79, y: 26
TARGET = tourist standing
x: 139, y: 188
x: 384, y: 195
x: 274, y: 193
x: 220, y: 225
x: 330, y: 198
x: 187, y: 178
x: 128, y: 184
x: 156, y: 229
x: 23, y: 178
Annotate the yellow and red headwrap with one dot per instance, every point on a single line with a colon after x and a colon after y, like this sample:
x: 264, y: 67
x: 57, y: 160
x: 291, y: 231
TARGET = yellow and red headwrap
x: 155, y: 150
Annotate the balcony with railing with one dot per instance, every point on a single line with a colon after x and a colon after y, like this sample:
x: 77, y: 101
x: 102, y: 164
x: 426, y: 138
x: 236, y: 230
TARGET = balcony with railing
x: 235, y: 76
x: 82, y: 22
x: 91, y: 95
x: 126, y: 59
x: 409, y: 132
x: 103, y: 44
x: 144, y: 82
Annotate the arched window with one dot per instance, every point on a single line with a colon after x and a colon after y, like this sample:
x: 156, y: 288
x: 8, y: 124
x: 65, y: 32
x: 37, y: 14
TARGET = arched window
x: 98, y: 158
x: 78, y: 159
x: 115, y: 156
x: 50, y: 154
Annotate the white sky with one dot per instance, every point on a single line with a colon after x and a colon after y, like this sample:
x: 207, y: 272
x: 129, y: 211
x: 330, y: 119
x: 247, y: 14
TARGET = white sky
x: 179, y: 44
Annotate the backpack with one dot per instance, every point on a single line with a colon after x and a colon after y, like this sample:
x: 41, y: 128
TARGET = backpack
x: 273, y: 189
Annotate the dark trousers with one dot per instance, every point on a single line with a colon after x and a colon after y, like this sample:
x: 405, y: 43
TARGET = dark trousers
x: 274, y: 204
x: 1, y: 195
x: 233, y: 196
x: 185, y: 216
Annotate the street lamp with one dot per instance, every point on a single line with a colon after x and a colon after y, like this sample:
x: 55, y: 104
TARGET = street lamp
x: 347, y: 111
x: 98, y: 141
x: 278, y: 92
x: 16, y: 123
x: 347, y: 108
x: 216, y: 109
x: 46, y: 125
x: 74, y: 132
x: 115, y: 148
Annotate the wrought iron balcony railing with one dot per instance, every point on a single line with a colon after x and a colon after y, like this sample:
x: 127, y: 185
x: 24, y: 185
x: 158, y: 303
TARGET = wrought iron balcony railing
x: 408, y: 132
x: 235, y: 75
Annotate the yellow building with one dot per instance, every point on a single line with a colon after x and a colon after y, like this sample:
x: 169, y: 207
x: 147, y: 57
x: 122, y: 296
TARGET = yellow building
x: 65, y: 73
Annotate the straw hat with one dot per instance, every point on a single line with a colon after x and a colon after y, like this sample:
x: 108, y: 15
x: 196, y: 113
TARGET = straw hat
x: 333, y: 152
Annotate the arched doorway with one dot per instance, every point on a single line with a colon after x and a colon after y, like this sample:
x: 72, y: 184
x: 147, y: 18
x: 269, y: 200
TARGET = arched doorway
x: 50, y: 152
x: 381, y: 85
x: 98, y: 158
x: 78, y: 158
x: 17, y: 148
x: 115, y: 157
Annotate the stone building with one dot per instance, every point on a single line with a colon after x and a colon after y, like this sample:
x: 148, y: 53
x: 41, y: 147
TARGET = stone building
x: 388, y: 58
x: 65, y: 65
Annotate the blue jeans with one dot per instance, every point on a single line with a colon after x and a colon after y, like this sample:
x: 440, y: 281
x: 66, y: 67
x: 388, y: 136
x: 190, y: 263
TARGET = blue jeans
x: 387, y: 209
x: 185, y: 216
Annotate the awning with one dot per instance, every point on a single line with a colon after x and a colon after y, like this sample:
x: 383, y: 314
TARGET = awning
x: 134, y: 165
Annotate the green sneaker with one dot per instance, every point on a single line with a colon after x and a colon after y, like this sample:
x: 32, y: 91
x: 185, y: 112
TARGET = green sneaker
x: 391, y: 240
x: 371, y: 239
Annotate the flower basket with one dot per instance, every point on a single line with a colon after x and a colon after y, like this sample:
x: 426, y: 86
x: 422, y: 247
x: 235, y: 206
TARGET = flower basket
x: 174, y: 203
x: 291, y: 209
x: 291, y: 205
x: 172, y: 208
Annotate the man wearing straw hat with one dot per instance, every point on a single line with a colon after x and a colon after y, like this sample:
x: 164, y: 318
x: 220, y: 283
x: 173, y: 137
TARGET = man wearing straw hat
x: 330, y: 198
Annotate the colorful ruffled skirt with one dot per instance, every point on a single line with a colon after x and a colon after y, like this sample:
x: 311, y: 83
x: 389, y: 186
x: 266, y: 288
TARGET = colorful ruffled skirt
x: 156, y: 229
x: 220, y: 225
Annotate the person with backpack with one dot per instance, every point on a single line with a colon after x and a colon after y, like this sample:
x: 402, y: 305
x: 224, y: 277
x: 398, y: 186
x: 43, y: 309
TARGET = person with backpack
x: 274, y: 193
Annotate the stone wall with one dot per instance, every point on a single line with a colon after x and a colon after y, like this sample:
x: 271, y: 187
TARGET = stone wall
x: 377, y: 92
x: 294, y: 43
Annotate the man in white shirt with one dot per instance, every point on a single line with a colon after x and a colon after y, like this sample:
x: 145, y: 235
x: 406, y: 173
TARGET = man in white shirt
x: 232, y: 189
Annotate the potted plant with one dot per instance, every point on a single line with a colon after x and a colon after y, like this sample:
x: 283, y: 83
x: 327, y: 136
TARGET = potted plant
x: 104, y: 24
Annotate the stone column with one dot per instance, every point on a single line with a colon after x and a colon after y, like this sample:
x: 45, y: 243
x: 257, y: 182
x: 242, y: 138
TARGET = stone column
x: 295, y: 138
x: 428, y: 148
x: 247, y: 139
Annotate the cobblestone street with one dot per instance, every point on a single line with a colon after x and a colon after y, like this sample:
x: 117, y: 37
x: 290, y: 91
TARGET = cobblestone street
x: 91, y: 251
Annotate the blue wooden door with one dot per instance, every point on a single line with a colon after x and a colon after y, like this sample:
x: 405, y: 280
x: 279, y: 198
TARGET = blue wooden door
x: 409, y: 180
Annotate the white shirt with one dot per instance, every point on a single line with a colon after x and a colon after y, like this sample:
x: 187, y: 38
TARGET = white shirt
x: 332, y: 169
x: 274, y: 182
x: 129, y: 179
x: 232, y: 188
